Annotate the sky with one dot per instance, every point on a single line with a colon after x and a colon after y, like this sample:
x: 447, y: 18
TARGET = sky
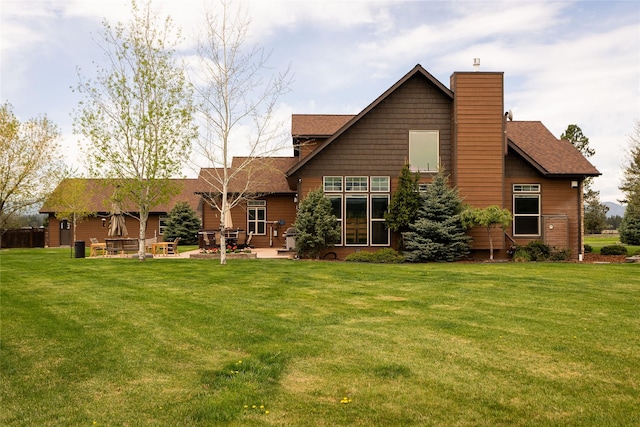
x: 564, y: 62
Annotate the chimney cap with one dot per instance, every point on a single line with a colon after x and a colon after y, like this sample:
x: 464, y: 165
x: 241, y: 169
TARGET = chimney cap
x: 476, y: 64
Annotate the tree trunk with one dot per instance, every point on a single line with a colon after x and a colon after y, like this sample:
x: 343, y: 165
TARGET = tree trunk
x: 144, y: 216
x: 490, y: 244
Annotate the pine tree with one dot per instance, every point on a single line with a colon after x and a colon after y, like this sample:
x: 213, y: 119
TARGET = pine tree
x: 404, y: 204
x: 630, y: 227
x: 316, y: 225
x: 438, y: 233
x: 183, y: 223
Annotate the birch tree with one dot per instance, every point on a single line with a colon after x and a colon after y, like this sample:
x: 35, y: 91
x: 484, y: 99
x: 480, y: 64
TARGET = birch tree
x: 30, y: 163
x: 237, y: 106
x: 138, y: 113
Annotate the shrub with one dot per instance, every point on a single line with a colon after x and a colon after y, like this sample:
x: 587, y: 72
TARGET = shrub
x: 560, y: 255
x: 521, y: 255
x: 613, y: 250
x: 538, y: 250
x: 588, y: 249
x: 382, y: 256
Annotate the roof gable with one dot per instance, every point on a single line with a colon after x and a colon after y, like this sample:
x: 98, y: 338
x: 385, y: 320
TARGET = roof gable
x: 417, y: 70
x: 317, y: 125
x: 549, y: 155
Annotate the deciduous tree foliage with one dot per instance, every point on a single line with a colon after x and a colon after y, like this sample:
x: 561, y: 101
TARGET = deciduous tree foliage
x: 138, y: 113
x: 71, y: 200
x: 30, y: 163
x: 489, y: 217
x: 630, y: 226
x: 238, y: 96
x: 316, y: 225
x: 438, y: 233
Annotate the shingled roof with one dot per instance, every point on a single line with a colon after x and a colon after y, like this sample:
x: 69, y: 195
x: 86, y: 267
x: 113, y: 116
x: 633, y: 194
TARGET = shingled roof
x: 549, y: 155
x: 99, y: 193
x: 264, y: 175
x: 317, y: 125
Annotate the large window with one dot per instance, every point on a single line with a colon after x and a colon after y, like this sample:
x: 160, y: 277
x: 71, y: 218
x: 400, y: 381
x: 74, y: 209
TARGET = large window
x: 424, y: 150
x: 356, y: 220
x: 257, y: 216
x: 526, y: 210
x: 360, y: 207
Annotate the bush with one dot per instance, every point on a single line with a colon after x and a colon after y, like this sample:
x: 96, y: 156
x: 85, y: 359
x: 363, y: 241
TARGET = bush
x: 382, y: 256
x: 588, y: 249
x: 560, y: 255
x: 538, y: 250
x: 613, y: 250
x: 521, y: 255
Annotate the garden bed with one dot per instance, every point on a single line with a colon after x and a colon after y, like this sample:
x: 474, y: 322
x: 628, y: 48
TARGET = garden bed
x: 229, y: 256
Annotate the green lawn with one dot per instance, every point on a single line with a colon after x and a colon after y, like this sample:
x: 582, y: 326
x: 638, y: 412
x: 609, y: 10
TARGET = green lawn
x: 302, y: 343
x: 597, y: 241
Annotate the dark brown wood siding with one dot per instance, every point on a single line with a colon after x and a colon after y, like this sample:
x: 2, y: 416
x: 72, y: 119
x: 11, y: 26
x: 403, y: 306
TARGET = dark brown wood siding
x: 378, y: 144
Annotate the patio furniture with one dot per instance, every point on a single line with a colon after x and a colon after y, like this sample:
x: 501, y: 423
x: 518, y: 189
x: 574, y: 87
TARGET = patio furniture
x: 96, y: 247
x: 172, y: 247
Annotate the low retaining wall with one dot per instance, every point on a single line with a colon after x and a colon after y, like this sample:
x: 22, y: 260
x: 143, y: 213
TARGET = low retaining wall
x: 229, y: 256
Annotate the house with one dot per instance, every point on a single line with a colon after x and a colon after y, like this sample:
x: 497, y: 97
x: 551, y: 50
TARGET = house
x: 356, y: 160
x: 98, y: 194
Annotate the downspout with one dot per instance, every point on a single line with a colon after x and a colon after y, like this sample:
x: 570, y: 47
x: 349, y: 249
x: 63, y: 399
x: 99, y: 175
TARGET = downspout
x: 580, y: 221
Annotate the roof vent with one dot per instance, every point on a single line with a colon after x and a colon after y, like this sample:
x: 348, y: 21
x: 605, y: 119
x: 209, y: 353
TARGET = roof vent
x: 476, y: 64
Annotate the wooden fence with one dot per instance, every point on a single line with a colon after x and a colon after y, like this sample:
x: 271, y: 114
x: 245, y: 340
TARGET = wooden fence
x: 23, y: 238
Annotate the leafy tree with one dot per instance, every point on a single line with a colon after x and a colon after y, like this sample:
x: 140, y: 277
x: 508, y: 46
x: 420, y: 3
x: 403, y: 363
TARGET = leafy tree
x: 184, y: 223
x: 316, y: 225
x: 489, y: 217
x: 438, y: 233
x: 237, y: 101
x: 630, y: 227
x: 137, y: 114
x: 30, y: 163
x: 405, y: 202
x: 71, y: 200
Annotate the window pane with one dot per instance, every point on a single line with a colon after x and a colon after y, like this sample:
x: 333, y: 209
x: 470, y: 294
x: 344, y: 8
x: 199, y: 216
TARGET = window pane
x: 379, y: 233
x: 379, y: 206
x: 380, y: 183
x: 424, y: 150
x: 332, y: 183
x: 526, y: 225
x: 355, y: 183
x: 526, y: 205
x: 336, y: 206
x: 356, y: 221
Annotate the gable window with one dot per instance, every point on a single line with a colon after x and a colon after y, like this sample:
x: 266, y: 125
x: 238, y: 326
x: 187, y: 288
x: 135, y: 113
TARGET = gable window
x: 332, y: 184
x: 257, y: 216
x: 424, y: 150
x: 356, y: 183
x: 526, y: 210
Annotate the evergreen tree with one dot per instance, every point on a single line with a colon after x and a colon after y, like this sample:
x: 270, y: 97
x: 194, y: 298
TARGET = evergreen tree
x: 630, y: 227
x: 316, y: 225
x: 405, y: 202
x: 595, y: 215
x: 438, y: 233
x: 183, y: 223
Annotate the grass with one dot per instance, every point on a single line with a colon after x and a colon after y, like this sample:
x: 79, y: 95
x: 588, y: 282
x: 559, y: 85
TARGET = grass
x: 296, y: 343
x: 598, y: 241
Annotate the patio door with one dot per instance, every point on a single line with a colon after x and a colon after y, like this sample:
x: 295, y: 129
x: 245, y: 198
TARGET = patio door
x: 65, y: 233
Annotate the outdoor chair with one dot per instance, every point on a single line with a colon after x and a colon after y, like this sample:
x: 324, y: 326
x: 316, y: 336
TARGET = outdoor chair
x: 247, y: 241
x: 148, y: 244
x: 172, y: 247
x: 96, y: 247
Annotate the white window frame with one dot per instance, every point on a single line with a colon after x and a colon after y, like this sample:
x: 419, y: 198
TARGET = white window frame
x: 421, y: 150
x: 356, y: 184
x: 257, y: 206
x: 527, y: 191
x: 340, y: 213
x: 329, y: 184
x: 373, y: 220
x: 380, y: 184
x: 162, y: 224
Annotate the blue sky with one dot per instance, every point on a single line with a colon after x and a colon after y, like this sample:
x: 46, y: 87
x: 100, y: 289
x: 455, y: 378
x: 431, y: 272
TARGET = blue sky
x: 563, y: 62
